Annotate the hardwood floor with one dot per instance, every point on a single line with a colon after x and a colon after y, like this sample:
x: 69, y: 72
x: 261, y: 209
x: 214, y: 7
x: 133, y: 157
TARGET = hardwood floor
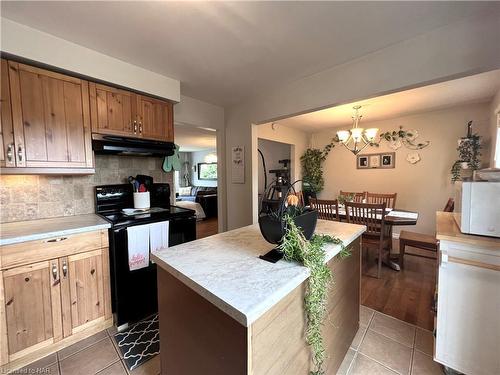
x: 406, y: 295
x: 207, y: 227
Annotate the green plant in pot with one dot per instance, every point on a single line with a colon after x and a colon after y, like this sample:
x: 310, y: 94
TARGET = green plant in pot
x: 292, y: 226
x: 468, y: 154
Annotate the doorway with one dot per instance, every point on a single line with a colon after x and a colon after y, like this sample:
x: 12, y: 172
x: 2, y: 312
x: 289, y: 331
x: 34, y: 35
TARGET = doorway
x: 196, y: 183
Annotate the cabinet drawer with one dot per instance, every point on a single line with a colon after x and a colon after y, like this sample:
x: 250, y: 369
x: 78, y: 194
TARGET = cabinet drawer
x: 50, y: 248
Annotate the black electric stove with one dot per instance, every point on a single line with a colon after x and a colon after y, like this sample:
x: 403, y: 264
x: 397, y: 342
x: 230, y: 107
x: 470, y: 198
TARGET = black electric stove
x: 134, y: 293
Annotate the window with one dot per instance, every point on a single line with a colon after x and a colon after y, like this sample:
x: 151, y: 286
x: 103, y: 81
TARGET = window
x: 207, y: 171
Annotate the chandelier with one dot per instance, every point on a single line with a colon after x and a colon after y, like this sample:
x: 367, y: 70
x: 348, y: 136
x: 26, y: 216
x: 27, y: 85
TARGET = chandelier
x: 357, y: 138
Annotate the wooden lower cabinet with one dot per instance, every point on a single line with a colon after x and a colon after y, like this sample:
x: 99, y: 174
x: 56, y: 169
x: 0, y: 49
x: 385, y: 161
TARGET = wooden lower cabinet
x: 51, y: 304
x: 32, y: 307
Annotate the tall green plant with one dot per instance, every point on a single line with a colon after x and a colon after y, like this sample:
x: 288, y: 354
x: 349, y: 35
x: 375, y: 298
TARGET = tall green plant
x: 312, y: 255
x: 312, y: 172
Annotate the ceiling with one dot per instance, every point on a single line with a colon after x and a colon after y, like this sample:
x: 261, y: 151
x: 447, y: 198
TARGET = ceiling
x: 224, y: 52
x: 192, y: 139
x: 477, y: 88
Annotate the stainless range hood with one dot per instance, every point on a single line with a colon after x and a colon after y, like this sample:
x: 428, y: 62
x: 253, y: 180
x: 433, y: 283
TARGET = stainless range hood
x: 111, y: 144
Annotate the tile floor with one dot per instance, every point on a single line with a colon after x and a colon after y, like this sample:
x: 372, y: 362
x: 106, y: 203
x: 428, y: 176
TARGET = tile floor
x: 388, y: 346
x: 97, y: 354
x: 382, y: 346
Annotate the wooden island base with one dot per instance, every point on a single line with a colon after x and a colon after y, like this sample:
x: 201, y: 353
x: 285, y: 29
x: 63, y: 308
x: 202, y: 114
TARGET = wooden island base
x: 198, y: 338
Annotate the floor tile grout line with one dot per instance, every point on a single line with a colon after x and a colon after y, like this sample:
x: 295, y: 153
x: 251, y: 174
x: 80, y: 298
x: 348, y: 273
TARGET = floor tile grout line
x: 82, y: 349
x: 401, y: 321
x: 389, y: 316
x: 390, y: 338
x: 352, y: 362
x: 380, y: 363
x: 111, y: 364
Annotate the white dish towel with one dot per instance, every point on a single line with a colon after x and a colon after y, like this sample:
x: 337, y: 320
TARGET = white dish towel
x: 138, y: 246
x: 158, y: 235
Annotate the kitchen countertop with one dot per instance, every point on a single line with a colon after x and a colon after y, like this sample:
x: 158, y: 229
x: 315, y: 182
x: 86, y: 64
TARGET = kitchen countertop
x: 225, y: 268
x: 448, y: 230
x: 22, y: 231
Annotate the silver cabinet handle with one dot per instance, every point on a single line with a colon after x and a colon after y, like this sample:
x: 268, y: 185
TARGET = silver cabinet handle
x: 65, y: 268
x: 20, y: 153
x: 10, y: 153
x: 135, y: 127
x: 54, y: 271
x: 140, y: 127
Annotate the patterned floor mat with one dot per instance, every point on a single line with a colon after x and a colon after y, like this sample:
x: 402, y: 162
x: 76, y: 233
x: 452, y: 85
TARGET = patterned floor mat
x: 140, y: 342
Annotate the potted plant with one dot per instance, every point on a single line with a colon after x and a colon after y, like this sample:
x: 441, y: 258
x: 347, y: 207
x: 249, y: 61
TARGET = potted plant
x: 272, y: 215
x: 291, y: 225
x: 468, y: 154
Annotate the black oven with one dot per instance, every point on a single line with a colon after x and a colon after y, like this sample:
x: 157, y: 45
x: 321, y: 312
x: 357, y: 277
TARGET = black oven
x: 134, y: 293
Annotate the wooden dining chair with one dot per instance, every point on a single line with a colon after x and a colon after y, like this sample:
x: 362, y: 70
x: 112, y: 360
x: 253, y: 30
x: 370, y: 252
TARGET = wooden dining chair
x: 357, y: 197
x: 388, y: 199
x: 327, y: 209
x: 421, y: 241
x: 377, y: 233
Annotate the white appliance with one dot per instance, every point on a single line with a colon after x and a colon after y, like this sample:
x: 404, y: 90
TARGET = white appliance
x: 477, y: 207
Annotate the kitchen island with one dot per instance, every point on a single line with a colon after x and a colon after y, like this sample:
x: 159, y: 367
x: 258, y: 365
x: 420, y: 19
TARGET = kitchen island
x: 222, y: 310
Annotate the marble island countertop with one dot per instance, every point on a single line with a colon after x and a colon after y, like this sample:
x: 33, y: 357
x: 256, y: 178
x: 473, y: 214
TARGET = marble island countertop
x: 22, y: 231
x: 225, y: 268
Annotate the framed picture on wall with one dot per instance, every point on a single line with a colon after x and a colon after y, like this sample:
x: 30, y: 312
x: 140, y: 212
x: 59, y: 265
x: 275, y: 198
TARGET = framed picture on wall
x: 362, y: 161
x: 375, y: 161
x: 388, y: 160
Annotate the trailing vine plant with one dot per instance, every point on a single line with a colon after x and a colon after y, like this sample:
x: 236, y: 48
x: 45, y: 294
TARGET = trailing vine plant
x: 406, y: 137
x: 312, y: 255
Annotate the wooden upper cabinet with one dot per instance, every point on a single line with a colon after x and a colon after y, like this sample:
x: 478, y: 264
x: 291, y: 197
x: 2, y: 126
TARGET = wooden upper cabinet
x: 32, y: 307
x: 155, y: 119
x: 7, y: 157
x: 112, y: 111
x: 51, y: 118
x: 120, y: 112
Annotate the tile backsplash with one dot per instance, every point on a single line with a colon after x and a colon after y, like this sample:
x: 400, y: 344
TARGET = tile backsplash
x: 36, y: 197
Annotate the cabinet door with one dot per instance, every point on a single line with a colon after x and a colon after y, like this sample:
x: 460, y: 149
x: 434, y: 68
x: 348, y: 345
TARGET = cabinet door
x: 468, y: 331
x: 7, y: 158
x: 32, y: 307
x: 51, y: 118
x: 112, y: 111
x: 87, y: 282
x: 155, y: 119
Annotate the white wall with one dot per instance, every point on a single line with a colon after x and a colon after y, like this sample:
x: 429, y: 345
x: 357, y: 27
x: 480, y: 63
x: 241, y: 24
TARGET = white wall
x: 456, y: 50
x: 199, y: 157
x: 423, y: 187
x: 299, y: 142
x: 494, y: 126
x: 272, y: 152
x: 24, y: 41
